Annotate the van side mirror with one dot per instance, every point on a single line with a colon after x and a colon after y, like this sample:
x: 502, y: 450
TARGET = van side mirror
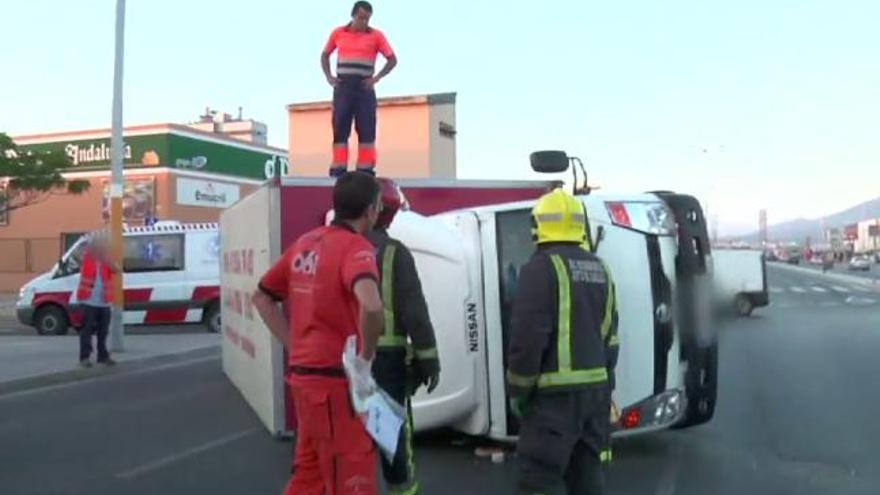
x: 549, y: 161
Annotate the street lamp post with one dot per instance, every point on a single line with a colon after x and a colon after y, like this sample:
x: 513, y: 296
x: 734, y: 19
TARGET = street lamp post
x: 117, y: 341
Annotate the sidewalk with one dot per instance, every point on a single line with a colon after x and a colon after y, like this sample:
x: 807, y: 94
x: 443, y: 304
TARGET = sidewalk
x: 36, y: 361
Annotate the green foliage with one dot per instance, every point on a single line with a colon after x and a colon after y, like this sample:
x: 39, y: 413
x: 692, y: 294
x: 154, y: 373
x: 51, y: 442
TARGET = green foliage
x: 27, y: 177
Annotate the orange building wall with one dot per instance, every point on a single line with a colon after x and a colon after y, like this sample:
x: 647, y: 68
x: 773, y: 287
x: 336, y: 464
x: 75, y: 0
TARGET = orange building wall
x: 408, y: 141
x: 31, y: 243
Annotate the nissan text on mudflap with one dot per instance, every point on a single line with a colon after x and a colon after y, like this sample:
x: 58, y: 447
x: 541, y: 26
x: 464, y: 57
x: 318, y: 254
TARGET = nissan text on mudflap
x: 469, y: 239
x: 170, y: 272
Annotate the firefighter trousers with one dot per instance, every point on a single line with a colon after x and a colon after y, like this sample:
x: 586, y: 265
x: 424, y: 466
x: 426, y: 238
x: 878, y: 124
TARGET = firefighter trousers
x: 391, y: 373
x: 334, y: 453
x: 564, y: 440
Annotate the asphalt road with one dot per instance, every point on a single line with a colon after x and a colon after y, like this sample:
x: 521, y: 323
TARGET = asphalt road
x: 842, y: 268
x: 796, y: 414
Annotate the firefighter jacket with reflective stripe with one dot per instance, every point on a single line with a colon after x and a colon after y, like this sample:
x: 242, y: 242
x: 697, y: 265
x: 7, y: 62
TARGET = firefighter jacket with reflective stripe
x: 564, y: 323
x: 88, y: 276
x: 406, y: 313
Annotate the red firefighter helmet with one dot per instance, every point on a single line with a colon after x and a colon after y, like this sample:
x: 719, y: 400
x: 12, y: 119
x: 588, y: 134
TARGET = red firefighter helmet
x: 392, y: 201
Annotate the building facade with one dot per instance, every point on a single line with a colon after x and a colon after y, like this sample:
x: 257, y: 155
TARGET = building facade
x: 172, y: 172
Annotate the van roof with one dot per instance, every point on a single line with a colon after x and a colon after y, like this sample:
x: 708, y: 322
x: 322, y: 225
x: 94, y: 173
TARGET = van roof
x: 166, y: 226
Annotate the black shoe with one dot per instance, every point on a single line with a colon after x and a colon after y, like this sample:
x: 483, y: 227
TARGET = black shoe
x: 368, y: 170
x: 337, y: 172
x: 107, y: 362
x: 85, y: 363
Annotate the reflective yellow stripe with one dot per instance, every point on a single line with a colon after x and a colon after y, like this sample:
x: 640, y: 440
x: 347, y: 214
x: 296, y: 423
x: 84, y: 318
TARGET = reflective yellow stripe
x: 609, y: 310
x: 426, y: 353
x: 605, y: 455
x: 614, y: 340
x: 520, y: 380
x: 573, y: 377
x: 563, y: 339
x: 388, y: 338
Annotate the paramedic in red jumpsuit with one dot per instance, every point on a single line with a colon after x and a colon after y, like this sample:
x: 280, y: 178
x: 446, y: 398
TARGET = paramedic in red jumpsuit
x: 328, y: 278
x: 354, y: 98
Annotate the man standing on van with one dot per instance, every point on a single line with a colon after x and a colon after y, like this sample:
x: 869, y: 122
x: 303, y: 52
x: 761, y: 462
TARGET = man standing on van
x: 329, y: 280
x: 95, y: 294
x: 407, y: 357
x: 563, y: 350
x: 354, y: 97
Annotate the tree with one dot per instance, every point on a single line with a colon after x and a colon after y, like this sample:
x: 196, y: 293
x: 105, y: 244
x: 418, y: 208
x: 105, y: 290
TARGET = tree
x: 28, y: 177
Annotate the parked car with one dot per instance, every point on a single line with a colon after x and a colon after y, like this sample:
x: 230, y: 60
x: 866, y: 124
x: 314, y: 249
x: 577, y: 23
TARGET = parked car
x: 860, y: 263
x: 817, y: 260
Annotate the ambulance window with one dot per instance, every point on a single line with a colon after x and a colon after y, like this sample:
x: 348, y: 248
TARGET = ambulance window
x: 154, y: 253
x: 71, y: 264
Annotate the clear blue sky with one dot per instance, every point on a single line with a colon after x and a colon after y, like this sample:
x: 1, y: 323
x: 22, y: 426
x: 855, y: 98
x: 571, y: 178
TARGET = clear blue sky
x: 746, y: 104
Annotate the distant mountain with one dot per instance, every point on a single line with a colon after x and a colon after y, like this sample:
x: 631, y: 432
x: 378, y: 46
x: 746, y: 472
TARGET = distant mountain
x: 798, y: 230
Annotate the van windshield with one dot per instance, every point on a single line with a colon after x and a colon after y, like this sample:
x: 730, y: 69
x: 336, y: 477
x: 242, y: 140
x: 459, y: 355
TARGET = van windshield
x: 71, y: 263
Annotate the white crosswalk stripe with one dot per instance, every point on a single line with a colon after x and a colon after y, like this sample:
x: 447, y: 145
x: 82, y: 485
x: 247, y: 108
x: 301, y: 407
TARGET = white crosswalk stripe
x: 838, y: 288
x: 860, y: 288
x: 799, y: 290
x: 816, y: 288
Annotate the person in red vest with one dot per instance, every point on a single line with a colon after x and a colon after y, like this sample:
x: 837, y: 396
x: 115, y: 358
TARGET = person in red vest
x: 329, y: 280
x: 95, y: 294
x: 354, y: 98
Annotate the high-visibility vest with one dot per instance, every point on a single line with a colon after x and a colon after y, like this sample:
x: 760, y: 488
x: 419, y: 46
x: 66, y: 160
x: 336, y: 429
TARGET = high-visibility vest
x: 566, y: 375
x: 88, y: 275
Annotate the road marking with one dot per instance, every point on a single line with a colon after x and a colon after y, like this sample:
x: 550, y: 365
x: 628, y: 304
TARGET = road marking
x: 799, y: 290
x: 816, y: 288
x: 860, y: 301
x: 859, y: 288
x: 840, y: 289
x: 171, y: 459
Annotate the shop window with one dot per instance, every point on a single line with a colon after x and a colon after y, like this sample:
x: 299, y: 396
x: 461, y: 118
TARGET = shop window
x: 154, y: 253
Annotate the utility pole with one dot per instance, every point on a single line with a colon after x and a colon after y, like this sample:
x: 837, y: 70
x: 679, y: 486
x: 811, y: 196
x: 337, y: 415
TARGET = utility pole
x: 117, y: 329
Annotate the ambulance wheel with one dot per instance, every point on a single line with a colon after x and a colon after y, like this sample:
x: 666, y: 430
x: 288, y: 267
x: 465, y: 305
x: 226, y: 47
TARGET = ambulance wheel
x: 211, y: 319
x: 701, y: 385
x: 744, y: 305
x: 51, y: 320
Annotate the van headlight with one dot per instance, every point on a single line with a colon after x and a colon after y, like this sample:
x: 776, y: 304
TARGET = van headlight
x: 650, y: 217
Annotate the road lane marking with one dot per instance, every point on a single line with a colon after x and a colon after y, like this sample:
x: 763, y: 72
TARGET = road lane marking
x: 799, y: 290
x: 171, y: 459
x: 860, y: 301
x: 840, y: 289
x: 816, y: 288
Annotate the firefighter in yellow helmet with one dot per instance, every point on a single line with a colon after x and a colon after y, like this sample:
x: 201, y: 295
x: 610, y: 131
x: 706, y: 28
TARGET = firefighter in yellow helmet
x: 562, y: 354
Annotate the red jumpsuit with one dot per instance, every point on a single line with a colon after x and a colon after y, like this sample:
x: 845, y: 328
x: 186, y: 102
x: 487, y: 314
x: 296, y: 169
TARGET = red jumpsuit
x: 334, y: 454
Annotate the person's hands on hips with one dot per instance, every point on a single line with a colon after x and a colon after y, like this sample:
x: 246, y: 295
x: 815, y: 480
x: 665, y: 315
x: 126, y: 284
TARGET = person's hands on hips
x: 371, y: 82
x: 333, y: 80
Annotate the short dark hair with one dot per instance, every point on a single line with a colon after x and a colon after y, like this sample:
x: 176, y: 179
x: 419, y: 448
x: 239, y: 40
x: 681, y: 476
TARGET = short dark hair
x: 362, y: 4
x: 353, y: 194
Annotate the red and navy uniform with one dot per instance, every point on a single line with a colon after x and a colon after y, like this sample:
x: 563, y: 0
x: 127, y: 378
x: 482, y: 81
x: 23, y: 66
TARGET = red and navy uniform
x: 316, y: 276
x: 352, y: 101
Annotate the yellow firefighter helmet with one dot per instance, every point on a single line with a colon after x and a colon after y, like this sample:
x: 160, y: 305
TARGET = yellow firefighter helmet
x: 559, y: 217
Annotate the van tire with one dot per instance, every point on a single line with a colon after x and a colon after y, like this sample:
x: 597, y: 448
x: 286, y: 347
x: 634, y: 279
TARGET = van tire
x: 211, y: 318
x: 702, y: 389
x: 744, y: 305
x: 51, y: 320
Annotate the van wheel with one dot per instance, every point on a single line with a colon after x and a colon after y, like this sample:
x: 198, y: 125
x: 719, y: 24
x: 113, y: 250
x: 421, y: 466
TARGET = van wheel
x: 211, y: 319
x: 701, y: 383
x: 51, y: 320
x: 744, y: 306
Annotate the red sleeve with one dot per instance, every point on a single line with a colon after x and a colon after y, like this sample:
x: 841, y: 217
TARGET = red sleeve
x: 383, y: 45
x: 330, y: 47
x: 275, y: 281
x: 359, y: 262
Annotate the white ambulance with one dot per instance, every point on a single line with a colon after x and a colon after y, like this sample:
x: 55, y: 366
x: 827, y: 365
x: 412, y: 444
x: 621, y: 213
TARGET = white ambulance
x: 171, y: 276
x: 469, y: 239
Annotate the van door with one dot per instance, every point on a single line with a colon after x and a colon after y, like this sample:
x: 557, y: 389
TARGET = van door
x: 203, y: 273
x: 155, y: 288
